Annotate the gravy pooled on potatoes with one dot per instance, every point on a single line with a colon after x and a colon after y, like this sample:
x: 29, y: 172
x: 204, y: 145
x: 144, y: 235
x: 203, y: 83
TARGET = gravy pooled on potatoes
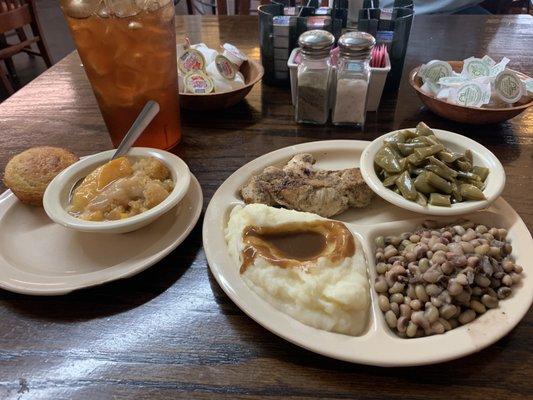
x: 121, y: 188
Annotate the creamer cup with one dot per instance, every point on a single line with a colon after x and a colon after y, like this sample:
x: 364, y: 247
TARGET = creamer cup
x: 435, y: 70
x: 191, y: 60
x: 209, y: 54
x: 509, y: 87
x: 197, y: 82
x: 222, y: 85
x: 221, y: 68
x: 233, y: 54
x: 475, y: 67
x: 470, y: 94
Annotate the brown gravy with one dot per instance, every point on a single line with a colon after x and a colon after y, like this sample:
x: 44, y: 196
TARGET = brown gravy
x: 296, y: 244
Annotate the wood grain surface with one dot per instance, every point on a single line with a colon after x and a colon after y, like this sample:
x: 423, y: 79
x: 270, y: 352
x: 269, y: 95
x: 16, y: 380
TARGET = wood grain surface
x: 171, y: 332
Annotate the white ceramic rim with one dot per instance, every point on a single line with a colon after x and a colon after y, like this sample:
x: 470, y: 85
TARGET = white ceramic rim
x: 90, y: 279
x: 55, y: 197
x: 378, y: 346
x: 495, y: 180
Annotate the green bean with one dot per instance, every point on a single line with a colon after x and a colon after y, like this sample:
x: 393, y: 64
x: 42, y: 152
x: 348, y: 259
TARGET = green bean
x: 447, y: 156
x: 416, y: 171
x: 469, y: 156
x: 482, y: 172
x: 436, y: 199
x: 408, y: 148
x: 416, y: 165
x: 430, y: 140
x: 403, y: 163
x: 422, y: 184
x: 456, y: 193
x: 413, y: 159
x: 480, y: 185
x: 439, y: 183
x: 464, y: 166
x: 439, y: 171
x: 390, y: 180
x: 423, y: 130
x: 421, y: 199
x: 470, y: 192
x: 469, y: 176
x: 440, y: 164
x: 386, y: 159
x: 424, y: 152
x: 406, y: 186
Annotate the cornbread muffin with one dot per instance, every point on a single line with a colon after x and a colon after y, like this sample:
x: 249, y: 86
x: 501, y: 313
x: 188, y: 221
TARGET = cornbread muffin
x: 28, y: 174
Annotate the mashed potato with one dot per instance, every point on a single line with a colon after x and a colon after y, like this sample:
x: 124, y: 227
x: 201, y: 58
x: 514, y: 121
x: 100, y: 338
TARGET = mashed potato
x: 330, y: 296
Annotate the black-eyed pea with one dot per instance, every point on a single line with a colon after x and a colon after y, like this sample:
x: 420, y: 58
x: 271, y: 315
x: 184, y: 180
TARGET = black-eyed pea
x: 396, y: 298
x: 395, y: 308
x: 467, y: 316
x: 415, y: 304
x: 477, y: 306
x: 391, y: 319
x: 504, y: 292
x: 507, y: 280
x: 489, y: 301
x: 384, y: 303
x: 411, y: 329
x: 516, y: 277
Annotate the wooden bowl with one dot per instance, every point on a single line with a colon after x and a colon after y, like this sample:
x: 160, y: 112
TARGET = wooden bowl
x: 466, y: 115
x: 252, y: 72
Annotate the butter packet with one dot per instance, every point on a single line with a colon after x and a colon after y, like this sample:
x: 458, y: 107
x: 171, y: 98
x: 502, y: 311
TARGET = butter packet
x: 509, y: 87
x: 475, y: 67
x: 453, y: 81
x: 471, y: 94
x: 434, y: 70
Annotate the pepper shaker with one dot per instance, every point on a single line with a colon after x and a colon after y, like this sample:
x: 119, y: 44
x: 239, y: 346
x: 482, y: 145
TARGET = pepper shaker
x: 312, y: 102
x: 353, y: 75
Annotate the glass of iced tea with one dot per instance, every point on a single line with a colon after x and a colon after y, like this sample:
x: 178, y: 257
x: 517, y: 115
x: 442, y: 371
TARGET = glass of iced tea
x: 128, y: 49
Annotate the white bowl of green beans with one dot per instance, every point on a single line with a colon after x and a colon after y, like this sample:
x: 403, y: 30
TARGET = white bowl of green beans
x: 432, y: 171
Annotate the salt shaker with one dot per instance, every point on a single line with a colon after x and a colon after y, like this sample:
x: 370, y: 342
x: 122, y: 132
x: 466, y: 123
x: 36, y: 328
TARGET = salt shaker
x: 312, y: 103
x: 353, y: 75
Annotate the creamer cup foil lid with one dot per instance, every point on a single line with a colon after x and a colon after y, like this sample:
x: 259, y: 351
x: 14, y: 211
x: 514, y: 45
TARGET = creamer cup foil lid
x: 191, y: 60
x: 198, y: 82
x: 509, y: 87
x: 225, y: 67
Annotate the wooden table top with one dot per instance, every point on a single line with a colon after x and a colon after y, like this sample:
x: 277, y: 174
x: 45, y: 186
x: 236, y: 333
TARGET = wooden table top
x: 171, y: 332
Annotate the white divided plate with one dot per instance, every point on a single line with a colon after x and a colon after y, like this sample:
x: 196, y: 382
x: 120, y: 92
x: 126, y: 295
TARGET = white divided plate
x: 40, y: 257
x: 378, y: 345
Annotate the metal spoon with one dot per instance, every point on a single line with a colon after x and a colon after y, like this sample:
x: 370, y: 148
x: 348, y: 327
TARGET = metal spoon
x: 147, y: 114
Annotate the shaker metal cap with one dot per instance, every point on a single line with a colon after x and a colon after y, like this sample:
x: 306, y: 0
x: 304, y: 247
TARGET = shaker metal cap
x: 316, y: 42
x: 357, y: 44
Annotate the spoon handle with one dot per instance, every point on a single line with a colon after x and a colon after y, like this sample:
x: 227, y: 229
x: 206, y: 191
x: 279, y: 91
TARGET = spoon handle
x: 146, y: 116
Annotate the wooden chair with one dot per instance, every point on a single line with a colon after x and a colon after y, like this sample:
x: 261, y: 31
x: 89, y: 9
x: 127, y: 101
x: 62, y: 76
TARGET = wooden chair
x: 14, y: 16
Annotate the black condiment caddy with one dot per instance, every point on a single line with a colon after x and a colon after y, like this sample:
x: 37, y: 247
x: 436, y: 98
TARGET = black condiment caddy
x: 274, y: 59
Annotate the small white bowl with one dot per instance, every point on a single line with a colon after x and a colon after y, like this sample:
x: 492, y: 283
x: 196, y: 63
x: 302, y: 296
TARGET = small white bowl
x: 482, y: 157
x: 56, y: 196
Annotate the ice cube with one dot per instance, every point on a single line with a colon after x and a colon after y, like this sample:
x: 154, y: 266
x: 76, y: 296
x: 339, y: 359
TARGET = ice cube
x: 80, y: 8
